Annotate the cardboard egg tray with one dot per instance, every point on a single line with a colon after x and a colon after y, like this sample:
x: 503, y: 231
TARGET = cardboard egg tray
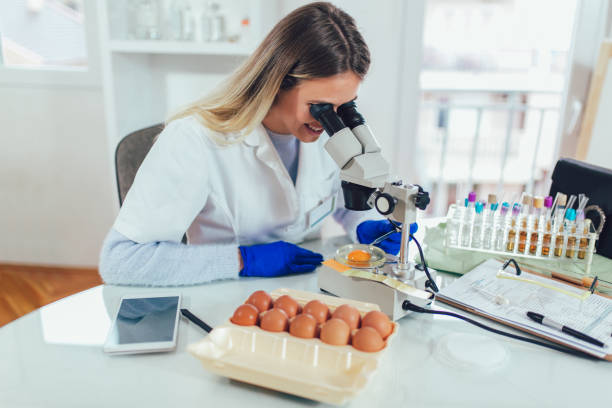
x: 308, y: 368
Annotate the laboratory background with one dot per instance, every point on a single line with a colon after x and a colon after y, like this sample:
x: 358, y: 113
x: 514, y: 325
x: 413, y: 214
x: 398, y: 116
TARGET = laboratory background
x: 481, y: 96
x: 462, y: 95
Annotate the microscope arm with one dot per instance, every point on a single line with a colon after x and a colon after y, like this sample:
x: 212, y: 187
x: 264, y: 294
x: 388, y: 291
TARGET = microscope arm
x: 359, y: 158
x: 356, y: 151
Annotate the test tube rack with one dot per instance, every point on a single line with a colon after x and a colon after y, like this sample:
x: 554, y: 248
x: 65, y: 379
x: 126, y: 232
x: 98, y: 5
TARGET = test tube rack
x: 579, y: 254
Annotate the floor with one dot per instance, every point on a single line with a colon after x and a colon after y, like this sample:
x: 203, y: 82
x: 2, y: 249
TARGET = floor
x: 24, y: 288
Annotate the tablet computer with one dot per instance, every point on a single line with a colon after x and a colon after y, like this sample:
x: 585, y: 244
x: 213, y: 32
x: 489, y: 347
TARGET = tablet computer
x: 144, y: 324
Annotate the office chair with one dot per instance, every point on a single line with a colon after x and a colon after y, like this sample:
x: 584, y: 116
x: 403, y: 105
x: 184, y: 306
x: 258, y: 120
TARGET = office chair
x: 129, y: 155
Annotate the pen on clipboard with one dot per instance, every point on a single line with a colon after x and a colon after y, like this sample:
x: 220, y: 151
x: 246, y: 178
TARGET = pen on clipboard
x: 545, y: 321
x: 196, y: 320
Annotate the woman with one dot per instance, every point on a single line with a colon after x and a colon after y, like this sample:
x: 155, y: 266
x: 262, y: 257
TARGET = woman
x: 243, y: 172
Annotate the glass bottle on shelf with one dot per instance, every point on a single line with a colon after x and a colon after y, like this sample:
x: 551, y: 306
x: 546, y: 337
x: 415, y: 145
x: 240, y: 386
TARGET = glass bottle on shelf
x: 212, y: 23
x: 181, y: 21
x: 132, y: 11
x: 145, y: 19
x: 245, y: 29
x: 205, y: 26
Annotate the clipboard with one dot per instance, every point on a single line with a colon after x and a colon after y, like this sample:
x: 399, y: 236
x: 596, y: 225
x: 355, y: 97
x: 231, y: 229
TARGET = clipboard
x: 536, y: 329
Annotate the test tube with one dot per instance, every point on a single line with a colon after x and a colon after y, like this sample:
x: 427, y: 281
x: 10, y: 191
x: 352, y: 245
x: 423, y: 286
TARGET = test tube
x: 524, y: 222
x: 546, y: 236
x: 489, y: 222
x: 570, y: 230
x: 466, y: 229
x: 454, y: 224
x: 582, y: 232
x: 503, y: 223
x: 538, y: 203
x: 477, y: 231
x: 516, y: 209
x: 558, y: 223
x: 584, y: 239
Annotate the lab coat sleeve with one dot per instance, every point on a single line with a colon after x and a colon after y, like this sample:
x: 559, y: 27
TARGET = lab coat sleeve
x: 170, y: 188
x: 125, y: 262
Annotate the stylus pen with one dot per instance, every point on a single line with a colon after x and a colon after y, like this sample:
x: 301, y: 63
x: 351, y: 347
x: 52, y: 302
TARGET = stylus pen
x: 195, y: 320
x: 536, y: 317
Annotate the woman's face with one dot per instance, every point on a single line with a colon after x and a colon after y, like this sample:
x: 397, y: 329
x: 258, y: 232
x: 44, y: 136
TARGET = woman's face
x: 290, y: 113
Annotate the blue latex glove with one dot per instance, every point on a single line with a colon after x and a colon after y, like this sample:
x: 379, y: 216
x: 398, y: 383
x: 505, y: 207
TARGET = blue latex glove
x: 277, y: 258
x: 368, y: 231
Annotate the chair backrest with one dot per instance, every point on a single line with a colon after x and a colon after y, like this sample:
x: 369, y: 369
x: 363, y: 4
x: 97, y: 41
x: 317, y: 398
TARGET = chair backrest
x: 129, y: 155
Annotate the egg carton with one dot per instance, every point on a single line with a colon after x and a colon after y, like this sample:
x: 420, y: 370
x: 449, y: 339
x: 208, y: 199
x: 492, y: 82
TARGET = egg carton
x: 307, y: 368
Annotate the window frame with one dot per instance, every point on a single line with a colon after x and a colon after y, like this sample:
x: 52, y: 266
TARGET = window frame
x: 592, y: 24
x: 89, y: 76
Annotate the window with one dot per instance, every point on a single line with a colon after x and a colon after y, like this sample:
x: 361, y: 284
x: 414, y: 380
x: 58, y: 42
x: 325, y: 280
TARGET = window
x: 43, y: 34
x: 492, y: 83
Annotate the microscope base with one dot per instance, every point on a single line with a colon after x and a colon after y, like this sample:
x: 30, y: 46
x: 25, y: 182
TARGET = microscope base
x: 389, y: 299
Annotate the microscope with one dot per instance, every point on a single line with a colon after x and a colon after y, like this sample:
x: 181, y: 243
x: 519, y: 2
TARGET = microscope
x: 366, y: 184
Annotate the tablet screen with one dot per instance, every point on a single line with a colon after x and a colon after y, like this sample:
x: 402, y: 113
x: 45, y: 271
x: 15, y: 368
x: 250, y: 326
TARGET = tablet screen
x: 145, y: 320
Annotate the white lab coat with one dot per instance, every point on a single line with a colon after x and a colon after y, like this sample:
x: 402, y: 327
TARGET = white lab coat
x: 240, y: 194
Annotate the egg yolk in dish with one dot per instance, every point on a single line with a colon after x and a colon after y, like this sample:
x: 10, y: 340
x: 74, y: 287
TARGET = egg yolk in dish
x: 358, y: 257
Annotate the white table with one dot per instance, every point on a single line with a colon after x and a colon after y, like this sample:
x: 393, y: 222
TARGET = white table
x: 53, y: 358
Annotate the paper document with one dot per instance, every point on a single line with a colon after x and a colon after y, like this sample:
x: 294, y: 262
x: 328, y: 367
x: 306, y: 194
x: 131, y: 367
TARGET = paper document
x: 509, y: 300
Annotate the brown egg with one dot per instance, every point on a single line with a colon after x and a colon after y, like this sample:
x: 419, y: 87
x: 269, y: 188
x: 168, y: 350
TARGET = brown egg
x: 379, y: 321
x: 349, y: 314
x: 368, y: 339
x: 358, y: 257
x: 274, y: 320
x: 318, y: 310
x: 336, y: 332
x: 245, y: 315
x: 261, y: 300
x: 288, y: 304
x: 304, y: 326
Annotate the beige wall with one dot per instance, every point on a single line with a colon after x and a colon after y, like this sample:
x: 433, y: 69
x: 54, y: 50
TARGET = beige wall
x: 56, y: 188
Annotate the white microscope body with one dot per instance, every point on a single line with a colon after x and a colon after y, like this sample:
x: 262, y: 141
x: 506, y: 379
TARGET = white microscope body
x: 366, y: 183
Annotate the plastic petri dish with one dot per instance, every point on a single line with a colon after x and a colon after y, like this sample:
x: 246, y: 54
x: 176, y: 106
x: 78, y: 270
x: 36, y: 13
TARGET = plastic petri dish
x: 352, y: 255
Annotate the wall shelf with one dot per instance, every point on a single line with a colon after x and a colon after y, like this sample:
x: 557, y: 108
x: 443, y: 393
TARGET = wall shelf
x: 179, y: 47
x: 145, y: 80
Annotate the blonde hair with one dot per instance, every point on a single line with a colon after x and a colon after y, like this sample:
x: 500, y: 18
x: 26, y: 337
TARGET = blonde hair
x: 314, y: 41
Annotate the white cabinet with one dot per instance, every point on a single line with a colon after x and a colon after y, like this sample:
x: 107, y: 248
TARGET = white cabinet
x: 146, y: 79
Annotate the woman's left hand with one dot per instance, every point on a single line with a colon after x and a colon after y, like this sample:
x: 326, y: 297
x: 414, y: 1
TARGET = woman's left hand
x: 276, y: 259
x: 368, y: 231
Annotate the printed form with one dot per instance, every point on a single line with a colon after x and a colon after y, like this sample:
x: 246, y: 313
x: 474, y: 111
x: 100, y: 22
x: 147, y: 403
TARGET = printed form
x: 509, y: 300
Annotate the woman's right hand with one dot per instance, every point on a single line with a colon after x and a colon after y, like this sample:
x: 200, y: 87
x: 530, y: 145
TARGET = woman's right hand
x: 276, y: 259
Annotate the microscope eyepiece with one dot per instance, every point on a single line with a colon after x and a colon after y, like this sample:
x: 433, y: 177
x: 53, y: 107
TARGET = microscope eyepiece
x: 325, y: 115
x: 349, y: 115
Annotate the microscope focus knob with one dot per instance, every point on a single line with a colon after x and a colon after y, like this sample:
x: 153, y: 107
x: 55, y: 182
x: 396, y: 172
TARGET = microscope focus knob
x: 422, y: 198
x: 385, y: 203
